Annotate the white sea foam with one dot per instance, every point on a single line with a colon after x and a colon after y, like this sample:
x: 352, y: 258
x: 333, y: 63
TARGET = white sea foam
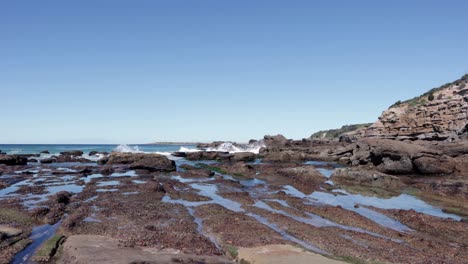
x: 127, y: 148
x: 231, y: 148
x: 184, y: 149
x: 95, y: 157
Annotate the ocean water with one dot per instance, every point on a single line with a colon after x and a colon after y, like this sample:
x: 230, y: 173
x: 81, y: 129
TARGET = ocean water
x: 56, y: 149
x: 164, y: 149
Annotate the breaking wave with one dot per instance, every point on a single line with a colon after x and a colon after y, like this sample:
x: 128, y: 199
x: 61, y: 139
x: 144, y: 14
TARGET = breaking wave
x: 233, y: 148
x: 127, y: 148
x: 184, y: 149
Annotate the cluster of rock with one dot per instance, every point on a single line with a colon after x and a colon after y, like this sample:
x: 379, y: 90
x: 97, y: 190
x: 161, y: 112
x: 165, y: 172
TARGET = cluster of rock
x: 396, y: 157
x: 280, y: 149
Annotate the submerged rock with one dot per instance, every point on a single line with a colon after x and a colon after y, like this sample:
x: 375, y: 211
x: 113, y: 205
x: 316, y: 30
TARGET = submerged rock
x: 145, y: 161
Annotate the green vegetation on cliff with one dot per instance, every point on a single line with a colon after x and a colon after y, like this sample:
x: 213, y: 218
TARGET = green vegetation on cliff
x: 335, y: 133
x: 429, y: 95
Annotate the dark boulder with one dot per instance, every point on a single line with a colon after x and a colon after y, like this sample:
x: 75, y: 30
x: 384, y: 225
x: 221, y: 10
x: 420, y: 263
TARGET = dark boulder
x: 346, y: 138
x: 94, y: 153
x: 103, y: 161
x: 12, y: 160
x: 72, y: 153
x: 62, y: 197
x: 45, y: 152
x: 48, y: 161
x: 179, y: 154
x: 150, y: 162
x: 85, y: 171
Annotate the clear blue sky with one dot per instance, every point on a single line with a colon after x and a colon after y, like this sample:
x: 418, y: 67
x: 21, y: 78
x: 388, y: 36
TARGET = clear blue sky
x: 139, y: 71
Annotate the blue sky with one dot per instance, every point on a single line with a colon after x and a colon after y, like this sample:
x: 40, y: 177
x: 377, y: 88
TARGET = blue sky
x: 114, y: 71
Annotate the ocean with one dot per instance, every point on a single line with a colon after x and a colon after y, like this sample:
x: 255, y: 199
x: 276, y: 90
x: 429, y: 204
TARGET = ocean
x: 55, y: 149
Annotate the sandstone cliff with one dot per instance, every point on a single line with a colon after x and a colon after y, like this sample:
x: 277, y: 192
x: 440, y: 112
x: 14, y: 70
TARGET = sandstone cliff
x: 440, y: 114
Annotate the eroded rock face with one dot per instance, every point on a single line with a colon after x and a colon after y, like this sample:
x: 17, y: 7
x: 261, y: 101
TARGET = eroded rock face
x: 396, y: 157
x: 145, y: 161
x: 441, y: 115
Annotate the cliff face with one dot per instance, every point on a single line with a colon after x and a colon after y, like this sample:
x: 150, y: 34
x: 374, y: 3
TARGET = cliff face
x: 440, y: 114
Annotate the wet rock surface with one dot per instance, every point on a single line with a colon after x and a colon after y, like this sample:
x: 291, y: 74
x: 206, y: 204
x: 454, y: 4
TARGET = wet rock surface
x: 148, y: 208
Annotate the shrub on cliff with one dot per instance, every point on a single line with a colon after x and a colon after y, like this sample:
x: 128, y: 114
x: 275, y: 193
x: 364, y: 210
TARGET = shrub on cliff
x: 430, y: 97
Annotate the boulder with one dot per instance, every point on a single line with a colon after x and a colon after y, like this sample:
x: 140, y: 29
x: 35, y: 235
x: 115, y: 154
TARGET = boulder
x: 92, y: 153
x: 277, y: 141
x: 179, y: 154
x: 62, y: 197
x: 45, y: 152
x: 12, y: 160
x: 145, y: 161
x: 103, y: 161
x: 48, y: 160
x: 72, y: 153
